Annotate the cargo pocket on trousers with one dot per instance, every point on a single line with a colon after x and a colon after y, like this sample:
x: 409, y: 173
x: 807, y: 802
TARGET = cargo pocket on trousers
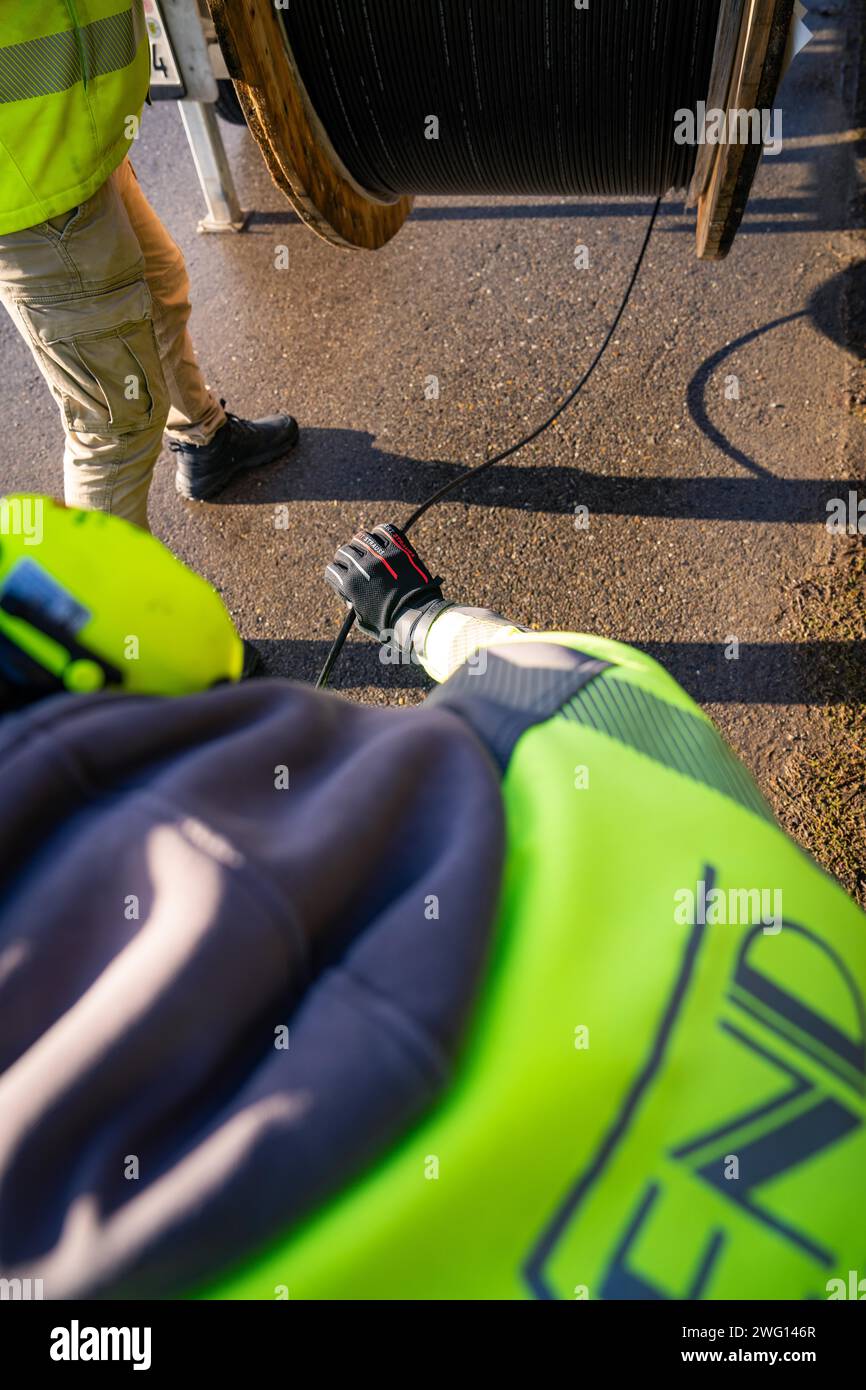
x: 101, y: 359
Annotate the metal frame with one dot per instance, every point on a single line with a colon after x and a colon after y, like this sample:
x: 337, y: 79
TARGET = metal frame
x: 185, y: 26
x: 224, y: 212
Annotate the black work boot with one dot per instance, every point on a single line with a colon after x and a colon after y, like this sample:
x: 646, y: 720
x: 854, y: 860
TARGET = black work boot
x: 203, y: 470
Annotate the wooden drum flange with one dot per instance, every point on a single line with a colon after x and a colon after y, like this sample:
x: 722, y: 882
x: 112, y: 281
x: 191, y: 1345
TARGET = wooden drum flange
x: 287, y: 130
x: 748, y: 66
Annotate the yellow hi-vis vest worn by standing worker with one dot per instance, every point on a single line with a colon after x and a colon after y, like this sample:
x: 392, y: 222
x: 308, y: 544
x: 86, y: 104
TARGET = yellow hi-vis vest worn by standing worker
x: 73, y: 79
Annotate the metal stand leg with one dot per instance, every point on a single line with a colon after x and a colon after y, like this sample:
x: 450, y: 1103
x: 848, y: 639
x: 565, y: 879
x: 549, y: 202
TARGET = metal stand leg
x: 202, y: 131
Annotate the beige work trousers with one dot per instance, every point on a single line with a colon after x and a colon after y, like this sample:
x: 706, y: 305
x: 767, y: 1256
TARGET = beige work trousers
x: 101, y: 296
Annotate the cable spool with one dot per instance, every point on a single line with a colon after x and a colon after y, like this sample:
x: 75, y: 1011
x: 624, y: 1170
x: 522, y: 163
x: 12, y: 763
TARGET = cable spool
x: 530, y: 97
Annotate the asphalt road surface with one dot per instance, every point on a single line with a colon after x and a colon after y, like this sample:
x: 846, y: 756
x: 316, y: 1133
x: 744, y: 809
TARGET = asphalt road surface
x: 729, y: 411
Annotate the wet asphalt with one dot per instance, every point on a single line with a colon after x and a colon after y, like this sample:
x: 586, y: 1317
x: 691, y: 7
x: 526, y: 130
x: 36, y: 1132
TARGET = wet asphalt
x: 706, y: 447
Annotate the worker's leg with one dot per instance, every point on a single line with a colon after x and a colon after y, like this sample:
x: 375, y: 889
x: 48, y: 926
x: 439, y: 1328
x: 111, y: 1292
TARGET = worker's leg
x: 75, y: 289
x: 195, y: 416
x: 210, y: 447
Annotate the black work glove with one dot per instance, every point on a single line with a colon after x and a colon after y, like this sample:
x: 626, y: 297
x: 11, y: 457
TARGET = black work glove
x: 380, y: 574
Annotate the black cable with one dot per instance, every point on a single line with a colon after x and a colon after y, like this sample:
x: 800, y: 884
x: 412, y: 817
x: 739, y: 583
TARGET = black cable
x: 477, y: 468
x: 530, y: 96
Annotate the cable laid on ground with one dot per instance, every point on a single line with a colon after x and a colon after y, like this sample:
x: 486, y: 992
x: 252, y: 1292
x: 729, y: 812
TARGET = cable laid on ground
x: 477, y: 468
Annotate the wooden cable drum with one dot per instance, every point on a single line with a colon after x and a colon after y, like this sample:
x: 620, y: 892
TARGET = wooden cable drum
x: 359, y: 105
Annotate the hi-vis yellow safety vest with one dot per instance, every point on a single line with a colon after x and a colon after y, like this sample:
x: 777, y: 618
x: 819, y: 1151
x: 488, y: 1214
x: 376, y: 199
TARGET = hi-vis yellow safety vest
x: 72, y: 73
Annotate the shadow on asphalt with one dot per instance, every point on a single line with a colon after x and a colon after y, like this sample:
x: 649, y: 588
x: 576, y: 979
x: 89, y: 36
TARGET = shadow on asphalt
x: 837, y: 309
x: 765, y: 673
x: 802, y: 214
x: 346, y: 466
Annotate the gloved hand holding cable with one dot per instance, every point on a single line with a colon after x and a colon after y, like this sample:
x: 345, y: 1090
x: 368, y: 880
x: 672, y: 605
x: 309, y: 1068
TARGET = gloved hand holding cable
x: 380, y: 574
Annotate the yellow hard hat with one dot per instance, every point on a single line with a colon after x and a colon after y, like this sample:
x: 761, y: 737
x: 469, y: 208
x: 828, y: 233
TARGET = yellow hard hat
x: 88, y: 601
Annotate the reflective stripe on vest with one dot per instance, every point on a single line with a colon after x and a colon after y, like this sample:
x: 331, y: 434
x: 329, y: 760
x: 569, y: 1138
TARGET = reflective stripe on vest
x: 54, y: 63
